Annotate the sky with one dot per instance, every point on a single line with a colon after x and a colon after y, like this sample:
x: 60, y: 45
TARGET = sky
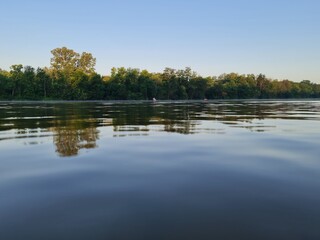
x: 279, y: 38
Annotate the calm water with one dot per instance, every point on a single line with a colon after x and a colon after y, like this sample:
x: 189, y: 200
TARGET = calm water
x: 183, y: 170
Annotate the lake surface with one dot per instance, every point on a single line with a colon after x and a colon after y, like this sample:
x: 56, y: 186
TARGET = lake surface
x: 164, y: 170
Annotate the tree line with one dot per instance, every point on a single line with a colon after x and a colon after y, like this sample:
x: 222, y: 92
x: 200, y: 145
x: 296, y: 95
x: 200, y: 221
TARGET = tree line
x: 72, y: 76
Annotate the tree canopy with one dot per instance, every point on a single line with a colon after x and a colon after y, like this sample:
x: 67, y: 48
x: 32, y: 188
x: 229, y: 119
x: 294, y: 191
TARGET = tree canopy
x: 72, y: 76
x: 68, y: 61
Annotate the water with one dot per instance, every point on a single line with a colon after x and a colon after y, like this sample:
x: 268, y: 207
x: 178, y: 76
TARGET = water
x: 141, y: 170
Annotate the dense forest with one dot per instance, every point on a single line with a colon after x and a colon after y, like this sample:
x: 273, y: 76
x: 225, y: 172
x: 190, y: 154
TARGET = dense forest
x: 72, y: 76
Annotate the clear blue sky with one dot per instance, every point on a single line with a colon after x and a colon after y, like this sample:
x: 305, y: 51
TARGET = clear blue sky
x: 280, y: 38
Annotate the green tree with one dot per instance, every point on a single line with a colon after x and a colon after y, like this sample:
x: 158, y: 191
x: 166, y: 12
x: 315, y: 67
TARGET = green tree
x: 306, y: 88
x: 147, y: 85
x: 15, y: 79
x: 197, y: 88
x: 28, y: 84
x: 43, y: 83
x: 64, y: 61
x: 86, y: 63
x: 96, y: 88
x: 170, y: 83
x: 4, y: 84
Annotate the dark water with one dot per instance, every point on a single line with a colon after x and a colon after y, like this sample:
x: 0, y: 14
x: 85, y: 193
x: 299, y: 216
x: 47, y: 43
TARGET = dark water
x: 197, y: 170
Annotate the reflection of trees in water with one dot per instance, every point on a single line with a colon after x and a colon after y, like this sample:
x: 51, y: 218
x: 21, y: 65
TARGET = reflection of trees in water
x: 71, y: 138
x: 178, y: 119
x: 141, y: 118
x: 74, y: 125
x: 183, y: 127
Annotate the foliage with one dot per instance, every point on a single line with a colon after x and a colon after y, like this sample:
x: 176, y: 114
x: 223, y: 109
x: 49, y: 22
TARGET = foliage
x: 72, y: 77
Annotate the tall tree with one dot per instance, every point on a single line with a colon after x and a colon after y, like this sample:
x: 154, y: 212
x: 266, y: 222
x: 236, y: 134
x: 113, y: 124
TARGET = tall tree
x: 67, y: 61
x: 43, y: 82
x: 15, y: 77
x: 64, y: 60
x: 4, y: 80
x: 86, y: 63
x: 28, y: 83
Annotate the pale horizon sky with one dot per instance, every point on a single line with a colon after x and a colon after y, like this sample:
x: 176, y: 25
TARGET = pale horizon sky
x: 280, y: 39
